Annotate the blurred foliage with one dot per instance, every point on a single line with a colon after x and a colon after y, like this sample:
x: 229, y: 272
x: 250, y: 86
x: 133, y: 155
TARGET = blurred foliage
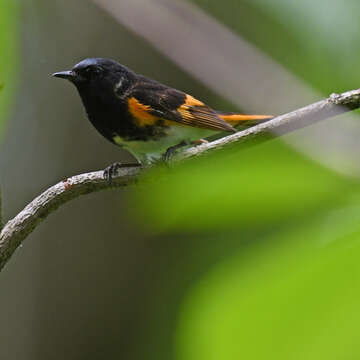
x: 290, y: 290
x: 240, y: 187
x: 290, y: 287
x: 9, y: 58
x: 296, y: 296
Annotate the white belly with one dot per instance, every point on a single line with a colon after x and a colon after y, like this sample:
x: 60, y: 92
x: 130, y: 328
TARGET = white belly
x: 176, y: 134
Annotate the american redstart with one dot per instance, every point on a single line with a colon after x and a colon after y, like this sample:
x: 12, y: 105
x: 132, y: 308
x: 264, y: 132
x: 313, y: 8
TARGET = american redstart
x: 143, y: 115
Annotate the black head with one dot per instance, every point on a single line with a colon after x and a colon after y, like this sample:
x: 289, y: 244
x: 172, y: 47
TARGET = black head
x: 97, y: 73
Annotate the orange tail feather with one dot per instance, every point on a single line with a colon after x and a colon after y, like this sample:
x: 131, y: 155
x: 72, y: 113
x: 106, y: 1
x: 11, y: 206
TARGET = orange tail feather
x: 237, y: 119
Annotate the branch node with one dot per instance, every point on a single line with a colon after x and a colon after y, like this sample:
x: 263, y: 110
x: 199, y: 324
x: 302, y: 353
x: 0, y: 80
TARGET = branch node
x: 334, y: 98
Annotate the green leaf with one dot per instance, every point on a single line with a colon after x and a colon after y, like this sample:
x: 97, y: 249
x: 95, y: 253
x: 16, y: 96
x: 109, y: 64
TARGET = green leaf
x: 9, y: 38
x: 239, y: 187
x: 292, y: 297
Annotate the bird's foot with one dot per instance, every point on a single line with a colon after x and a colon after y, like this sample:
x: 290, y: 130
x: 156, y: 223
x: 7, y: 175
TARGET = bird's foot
x: 112, y: 170
x: 172, y: 149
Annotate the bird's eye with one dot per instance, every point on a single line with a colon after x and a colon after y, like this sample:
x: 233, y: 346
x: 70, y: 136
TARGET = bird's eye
x: 91, y: 70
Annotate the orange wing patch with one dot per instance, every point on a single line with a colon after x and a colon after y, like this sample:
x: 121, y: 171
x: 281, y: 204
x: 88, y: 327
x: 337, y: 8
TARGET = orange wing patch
x: 195, y: 113
x: 141, y: 113
x: 191, y: 101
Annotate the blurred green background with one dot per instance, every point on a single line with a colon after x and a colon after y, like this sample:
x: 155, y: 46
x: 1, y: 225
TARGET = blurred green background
x: 249, y: 253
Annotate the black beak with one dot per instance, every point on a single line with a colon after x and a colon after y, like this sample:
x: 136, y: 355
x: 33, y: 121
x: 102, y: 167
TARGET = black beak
x: 69, y: 75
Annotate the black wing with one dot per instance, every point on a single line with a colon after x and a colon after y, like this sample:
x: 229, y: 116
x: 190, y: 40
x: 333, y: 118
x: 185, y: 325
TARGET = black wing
x: 148, y: 99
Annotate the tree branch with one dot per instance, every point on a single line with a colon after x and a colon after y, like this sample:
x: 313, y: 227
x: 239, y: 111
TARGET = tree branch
x: 17, y: 229
x: 334, y: 105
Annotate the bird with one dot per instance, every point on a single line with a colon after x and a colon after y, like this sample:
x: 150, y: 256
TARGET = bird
x: 144, y: 116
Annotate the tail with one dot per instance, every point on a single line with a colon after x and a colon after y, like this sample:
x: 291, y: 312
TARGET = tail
x: 235, y: 119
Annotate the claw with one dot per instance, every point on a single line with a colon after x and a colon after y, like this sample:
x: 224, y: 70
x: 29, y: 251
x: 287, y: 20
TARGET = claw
x: 169, y: 153
x: 112, y: 170
x: 172, y: 149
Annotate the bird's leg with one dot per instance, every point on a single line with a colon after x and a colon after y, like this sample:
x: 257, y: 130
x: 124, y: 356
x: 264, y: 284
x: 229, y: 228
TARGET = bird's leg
x: 111, y: 170
x: 171, y: 150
